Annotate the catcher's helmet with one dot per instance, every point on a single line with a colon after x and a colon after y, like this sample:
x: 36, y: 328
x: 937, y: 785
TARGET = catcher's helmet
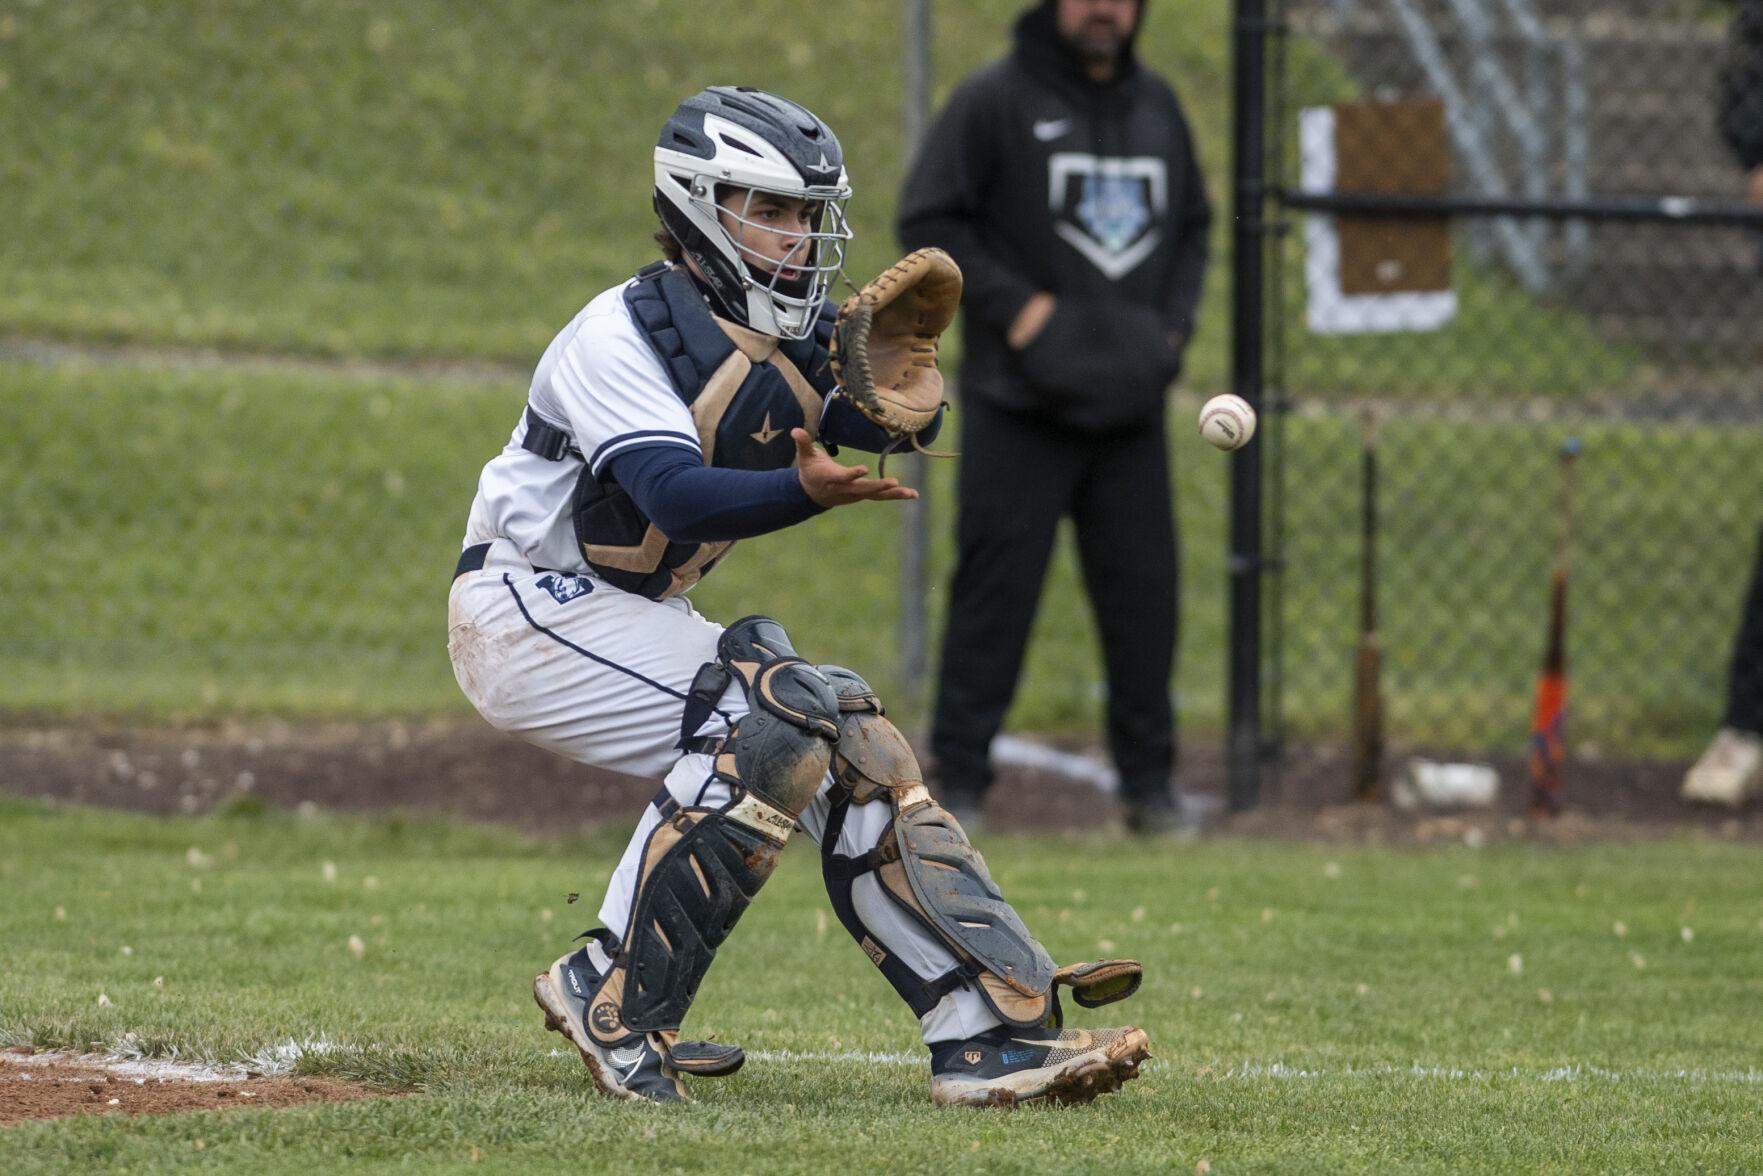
x: 736, y: 137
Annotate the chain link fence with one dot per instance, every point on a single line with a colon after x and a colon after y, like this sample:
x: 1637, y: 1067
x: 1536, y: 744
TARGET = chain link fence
x: 1499, y: 226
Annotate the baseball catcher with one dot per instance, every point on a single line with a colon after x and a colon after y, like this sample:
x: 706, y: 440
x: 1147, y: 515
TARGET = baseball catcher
x: 694, y: 405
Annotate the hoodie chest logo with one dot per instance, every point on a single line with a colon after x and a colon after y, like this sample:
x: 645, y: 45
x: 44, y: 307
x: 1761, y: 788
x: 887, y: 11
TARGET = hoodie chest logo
x: 1108, y: 208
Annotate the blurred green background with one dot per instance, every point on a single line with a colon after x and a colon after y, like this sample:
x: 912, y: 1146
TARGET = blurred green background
x: 277, y: 274
x: 280, y: 272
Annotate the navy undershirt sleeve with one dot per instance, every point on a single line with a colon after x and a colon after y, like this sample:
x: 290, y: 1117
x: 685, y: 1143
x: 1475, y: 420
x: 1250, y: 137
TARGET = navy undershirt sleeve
x: 842, y: 424
x: 695, y: 503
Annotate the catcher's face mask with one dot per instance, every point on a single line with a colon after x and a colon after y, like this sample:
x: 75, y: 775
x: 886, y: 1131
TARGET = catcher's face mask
x: 753, y: 187
x: 789, y: 247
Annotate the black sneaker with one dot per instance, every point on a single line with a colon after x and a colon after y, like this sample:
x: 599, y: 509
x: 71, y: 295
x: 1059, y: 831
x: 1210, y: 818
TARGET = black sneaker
x: 1155, y: 815
x: 1003, y: 1067
x: 633, y: 1068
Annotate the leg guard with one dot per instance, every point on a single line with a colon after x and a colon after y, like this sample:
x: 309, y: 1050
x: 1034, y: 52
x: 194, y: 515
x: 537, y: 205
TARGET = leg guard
x: 926, y: 865
x: 702, y: 867
x: 700, y: 873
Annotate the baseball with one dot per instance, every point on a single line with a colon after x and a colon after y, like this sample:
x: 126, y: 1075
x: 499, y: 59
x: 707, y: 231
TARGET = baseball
x: 1227, y: 421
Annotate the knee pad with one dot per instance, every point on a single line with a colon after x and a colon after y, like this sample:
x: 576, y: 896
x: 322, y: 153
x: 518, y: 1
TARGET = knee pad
x: 871, y: 759
x: 780, y: 750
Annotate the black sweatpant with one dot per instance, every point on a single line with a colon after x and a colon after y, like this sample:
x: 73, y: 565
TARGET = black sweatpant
x: 1744, y: 683
x: 1019, y: 474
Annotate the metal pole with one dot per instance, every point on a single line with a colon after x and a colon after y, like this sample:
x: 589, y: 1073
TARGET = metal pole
x: 915, y: 521
x: 1249, y: 194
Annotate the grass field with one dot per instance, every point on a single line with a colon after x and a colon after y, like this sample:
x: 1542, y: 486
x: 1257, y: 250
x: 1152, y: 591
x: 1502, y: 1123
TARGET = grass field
x: 456, y: 179
x: 414, y: 177
x: 1311, y: 1008
x: 448, y: 181
x: 281, y: 542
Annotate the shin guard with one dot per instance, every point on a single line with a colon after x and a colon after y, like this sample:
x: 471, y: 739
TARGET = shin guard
x: 701, y: 870
x: 702, y: 867
x: 926, y: 866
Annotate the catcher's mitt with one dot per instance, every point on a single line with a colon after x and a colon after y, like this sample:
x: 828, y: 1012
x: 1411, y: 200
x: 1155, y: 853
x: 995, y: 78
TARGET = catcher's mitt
x: 884, y: 345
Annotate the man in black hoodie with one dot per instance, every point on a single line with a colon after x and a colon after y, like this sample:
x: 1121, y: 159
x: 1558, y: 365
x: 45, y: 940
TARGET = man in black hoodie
x: 1062, y: 179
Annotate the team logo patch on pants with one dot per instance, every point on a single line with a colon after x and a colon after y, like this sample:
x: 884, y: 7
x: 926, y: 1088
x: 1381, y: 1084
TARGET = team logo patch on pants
x: 564, y: 588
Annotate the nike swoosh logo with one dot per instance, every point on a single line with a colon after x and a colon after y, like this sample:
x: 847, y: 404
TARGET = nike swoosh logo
x: 766, y: 434
x: 1048, y: 129
x: 626, y: 1061
x: 1078, y: 1039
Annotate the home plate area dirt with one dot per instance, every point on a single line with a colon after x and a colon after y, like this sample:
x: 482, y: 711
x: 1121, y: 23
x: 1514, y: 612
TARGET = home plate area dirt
x: 466, y: 769
x: 50, y: 1085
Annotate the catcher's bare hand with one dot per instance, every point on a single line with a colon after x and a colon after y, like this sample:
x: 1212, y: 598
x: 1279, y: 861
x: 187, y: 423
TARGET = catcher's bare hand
x: 830, y: 484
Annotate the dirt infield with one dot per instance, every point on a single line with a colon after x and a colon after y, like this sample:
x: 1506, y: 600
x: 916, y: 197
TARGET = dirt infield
x: 51, y: 1085
x: 466, y: 769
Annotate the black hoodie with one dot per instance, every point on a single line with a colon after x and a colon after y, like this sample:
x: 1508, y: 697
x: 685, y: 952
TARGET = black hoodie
x: 1036, y: 178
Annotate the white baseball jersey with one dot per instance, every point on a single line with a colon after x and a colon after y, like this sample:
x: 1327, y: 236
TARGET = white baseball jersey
x: 600, y: 382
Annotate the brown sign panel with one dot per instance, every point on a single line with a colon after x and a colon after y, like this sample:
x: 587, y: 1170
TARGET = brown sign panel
x: 1393, y: 149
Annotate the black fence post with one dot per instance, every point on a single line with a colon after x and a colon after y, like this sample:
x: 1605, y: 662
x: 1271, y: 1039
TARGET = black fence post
x: 914, y: 516
x: 1249, y: 193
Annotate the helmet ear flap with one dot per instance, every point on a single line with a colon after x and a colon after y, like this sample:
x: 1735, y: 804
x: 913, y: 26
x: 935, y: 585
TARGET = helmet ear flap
x: 719, y: 273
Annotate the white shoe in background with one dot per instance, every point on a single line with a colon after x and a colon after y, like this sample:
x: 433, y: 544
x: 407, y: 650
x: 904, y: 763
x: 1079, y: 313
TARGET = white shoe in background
x: 1728, y: 771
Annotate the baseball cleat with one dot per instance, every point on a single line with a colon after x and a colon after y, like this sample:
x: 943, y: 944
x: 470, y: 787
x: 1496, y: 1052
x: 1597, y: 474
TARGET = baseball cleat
x: 1152, y: 816
x: 1728, y: 772
x: 632, y: 1069
x: 1004, y: 1067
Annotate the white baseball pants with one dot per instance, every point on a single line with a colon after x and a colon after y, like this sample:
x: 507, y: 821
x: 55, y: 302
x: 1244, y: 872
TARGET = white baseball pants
x: 598, y: 675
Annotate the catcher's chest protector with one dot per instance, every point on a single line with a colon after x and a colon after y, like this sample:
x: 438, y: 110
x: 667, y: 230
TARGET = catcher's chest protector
x: 746, y: 392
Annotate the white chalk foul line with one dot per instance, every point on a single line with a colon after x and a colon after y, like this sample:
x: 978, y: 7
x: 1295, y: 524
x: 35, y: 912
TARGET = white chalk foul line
x: 865, y: 1057
x: 817, y: 1057
x: 141, y: 1070
x: 125, y: 1058
x: 1577, y: 1072
x: 1280, y: 1071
